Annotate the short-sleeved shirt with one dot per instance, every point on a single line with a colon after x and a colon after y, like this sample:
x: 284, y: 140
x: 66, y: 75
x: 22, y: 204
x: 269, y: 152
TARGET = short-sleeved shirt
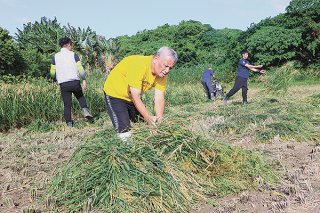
x: 133, y: 71
x: 243, y: 71
x: 207, y: 75
x: 65, y: 65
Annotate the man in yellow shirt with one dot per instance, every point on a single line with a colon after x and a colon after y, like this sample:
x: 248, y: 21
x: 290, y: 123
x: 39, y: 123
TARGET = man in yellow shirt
x: 129, y: 80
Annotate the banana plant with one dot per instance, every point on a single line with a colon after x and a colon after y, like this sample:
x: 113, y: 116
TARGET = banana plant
x: 41, y: 36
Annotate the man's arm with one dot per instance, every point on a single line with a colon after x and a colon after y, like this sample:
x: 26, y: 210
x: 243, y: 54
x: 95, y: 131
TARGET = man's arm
x: 136, y: 99
x: 84, y: 84
x: 256, y: 68
x: 81, y: 72
x: 159, y: 104
x: 53, y: 68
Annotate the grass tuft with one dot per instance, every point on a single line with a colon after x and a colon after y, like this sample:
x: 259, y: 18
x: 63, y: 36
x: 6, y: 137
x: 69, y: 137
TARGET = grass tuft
x: 165, y: 170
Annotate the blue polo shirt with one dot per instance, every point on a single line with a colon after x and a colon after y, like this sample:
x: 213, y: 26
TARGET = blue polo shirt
x: 207, y: 75
x: 243, y: 71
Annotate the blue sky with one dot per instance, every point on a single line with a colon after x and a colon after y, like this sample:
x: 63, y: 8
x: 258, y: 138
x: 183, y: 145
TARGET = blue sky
x: 112, y: 18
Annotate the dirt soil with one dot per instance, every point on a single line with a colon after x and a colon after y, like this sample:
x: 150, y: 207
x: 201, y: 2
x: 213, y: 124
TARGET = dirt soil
x: 28, y: 161
x: 297, y: 191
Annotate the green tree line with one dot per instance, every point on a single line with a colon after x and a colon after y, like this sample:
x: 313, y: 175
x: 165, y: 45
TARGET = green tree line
x: 31, y: 50
x: 290, y: 36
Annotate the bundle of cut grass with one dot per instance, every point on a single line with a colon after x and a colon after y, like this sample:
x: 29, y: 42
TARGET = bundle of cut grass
x: 166, y: 170
x: 278, y: 80
x: 265, y: 119
x: 315, y: 100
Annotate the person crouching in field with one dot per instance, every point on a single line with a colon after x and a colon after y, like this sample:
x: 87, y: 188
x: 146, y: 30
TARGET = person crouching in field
x: 128, y: 80
x: 242, y: 77
x: 206, y: 81
x: 67, y: 69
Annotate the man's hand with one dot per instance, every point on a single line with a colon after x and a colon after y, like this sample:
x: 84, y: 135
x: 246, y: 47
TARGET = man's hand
x: 84, y: 85
x: 152, y: 120
x: 136, y: 99
x: 159, y: 119
x: 152, y: 123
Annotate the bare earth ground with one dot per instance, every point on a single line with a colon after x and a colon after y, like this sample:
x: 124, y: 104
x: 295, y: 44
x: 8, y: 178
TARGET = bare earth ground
x: 28, y: 163
x: 298, y: 190
x: 29, y: 160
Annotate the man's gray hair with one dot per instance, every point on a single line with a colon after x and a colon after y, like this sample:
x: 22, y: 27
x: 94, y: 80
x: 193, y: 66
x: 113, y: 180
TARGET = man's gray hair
x: 169, y: 52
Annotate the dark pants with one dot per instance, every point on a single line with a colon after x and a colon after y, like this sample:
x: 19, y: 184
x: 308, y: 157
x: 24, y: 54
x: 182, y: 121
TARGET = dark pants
x: 121, y: 112
x: 208, y: 88
x: 67, y: 88
x: 240, y: 83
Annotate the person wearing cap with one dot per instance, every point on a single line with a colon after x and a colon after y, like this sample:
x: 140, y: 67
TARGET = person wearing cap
x: 206, y: 78
x: 126, y: 83
x: 243, y: 74
x: 66, y: 68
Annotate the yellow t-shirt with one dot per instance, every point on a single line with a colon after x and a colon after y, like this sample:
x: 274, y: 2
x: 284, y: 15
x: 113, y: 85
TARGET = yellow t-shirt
x: 134, y: 71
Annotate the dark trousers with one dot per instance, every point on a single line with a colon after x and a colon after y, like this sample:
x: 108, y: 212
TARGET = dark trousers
x: 208, y: 88
x: 121, y: 112
x: 240, y: 83
x: 67, y: 88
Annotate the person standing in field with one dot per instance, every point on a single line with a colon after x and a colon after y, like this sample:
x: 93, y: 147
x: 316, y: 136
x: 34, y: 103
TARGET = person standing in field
x: 126, y: 83
x: 242, y: 77
x: 206, y: 81
x: 67, y: 69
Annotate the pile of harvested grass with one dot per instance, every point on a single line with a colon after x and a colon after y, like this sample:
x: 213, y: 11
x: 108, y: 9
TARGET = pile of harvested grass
x: 278, y: 80
x: 166, y: 170
x: 262, y: 120
x: 315, y: 100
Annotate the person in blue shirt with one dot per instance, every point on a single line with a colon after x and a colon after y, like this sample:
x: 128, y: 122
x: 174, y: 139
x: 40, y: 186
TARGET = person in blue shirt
x: 242, y: 77
x: 207, y: 76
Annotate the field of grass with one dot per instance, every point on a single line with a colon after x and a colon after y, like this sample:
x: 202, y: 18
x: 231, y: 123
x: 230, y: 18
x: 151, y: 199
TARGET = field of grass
x: 198, y: 154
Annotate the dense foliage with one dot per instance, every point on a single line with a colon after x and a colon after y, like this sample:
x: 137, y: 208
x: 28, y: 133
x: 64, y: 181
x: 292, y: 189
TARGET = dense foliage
x: 294, y: 35
x: 9, y: 54
x: 291, y: 36
x: 274, y: 45
x: 195, y: 43
x: 39, y: 41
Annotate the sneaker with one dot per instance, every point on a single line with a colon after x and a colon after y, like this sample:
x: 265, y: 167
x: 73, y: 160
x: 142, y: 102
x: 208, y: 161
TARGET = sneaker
x: 70, y: 124
x: 225, y: 101
x: 86, y: 113
x: 125, y: 136
x: 245, y: 103
x: 212, y: 97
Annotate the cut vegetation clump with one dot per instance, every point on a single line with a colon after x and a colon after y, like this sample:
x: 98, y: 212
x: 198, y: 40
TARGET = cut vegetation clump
x: 168, y: 169
x: 278, y: 81
x: 266, y: 119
